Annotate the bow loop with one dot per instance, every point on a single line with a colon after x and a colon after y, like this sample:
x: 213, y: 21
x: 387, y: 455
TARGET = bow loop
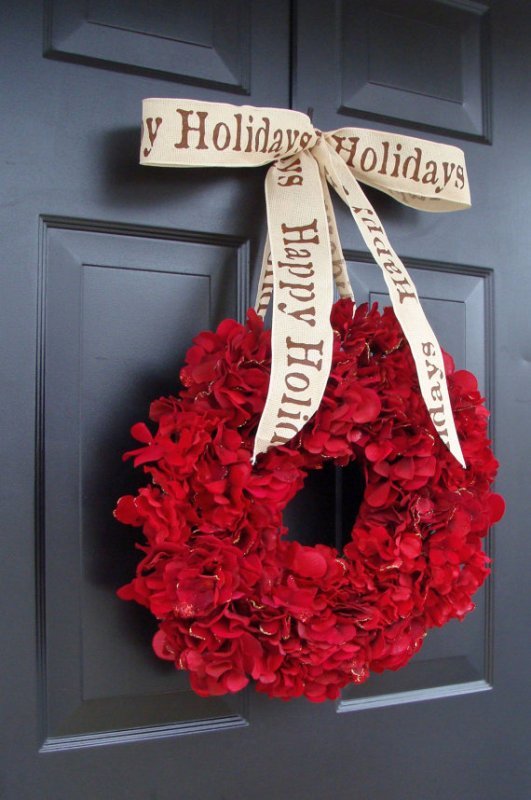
x: 418, y: 173
x: 303, y: 256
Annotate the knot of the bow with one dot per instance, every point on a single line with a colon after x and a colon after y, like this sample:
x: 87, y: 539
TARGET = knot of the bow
x: 305, y: 145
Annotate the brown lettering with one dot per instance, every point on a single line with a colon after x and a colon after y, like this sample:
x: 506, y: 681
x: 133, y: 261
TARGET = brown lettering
x: 437, y: 416
x: 292, y: 138
x: 365, y: 164
x: 430, y: 176
x: 264, y: 133
x: 152, y: 133
x: 302, y: 287
x: 403, y: 295
x: 448, y: 171
x: 297, y: 376
x: 303, y: 314
x: 298, y: 270
x: 295, y: 400
x: 436, y: 393
x: 433, y: 369
x: 396, y: 156
x: 300, y: 230
x: 277, y: 439
x: 415, y: 160
x: 292, y: 252
x: 351, y: 150
x: 216, y: 133
x: 187, y: 128
x: 306, y: 348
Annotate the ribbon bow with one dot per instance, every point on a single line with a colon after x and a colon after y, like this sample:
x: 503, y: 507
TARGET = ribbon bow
x: 303, y: 256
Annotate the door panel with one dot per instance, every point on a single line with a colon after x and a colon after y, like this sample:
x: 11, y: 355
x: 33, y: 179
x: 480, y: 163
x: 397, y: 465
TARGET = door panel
x: 457, y: 300
x: 424, y: 63
x: 108, y: 271
x: 119, y: 310
x: 205, y: 43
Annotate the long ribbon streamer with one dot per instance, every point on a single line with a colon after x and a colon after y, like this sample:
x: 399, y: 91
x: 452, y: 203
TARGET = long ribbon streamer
x: 303, y: 257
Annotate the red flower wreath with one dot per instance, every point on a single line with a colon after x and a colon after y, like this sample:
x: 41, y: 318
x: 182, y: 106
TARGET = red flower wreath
x: 233, y: 598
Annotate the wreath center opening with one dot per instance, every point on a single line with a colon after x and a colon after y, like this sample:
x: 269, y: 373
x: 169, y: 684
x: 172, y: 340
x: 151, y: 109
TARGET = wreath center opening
x: 325, y: 509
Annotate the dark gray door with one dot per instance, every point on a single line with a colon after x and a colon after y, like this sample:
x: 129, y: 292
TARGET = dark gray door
x: 109, y: 269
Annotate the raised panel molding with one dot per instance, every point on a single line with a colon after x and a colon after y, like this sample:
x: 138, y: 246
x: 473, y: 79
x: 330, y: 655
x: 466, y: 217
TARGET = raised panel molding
x: 118, y: 310
x: 201, y: 42
x: 423, y: 63
x: 458, y: 658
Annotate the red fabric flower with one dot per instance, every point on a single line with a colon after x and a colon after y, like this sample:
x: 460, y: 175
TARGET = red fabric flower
x: 235, y: 601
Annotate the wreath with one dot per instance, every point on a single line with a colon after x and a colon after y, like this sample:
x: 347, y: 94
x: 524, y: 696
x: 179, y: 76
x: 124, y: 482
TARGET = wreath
x: 234, y: 599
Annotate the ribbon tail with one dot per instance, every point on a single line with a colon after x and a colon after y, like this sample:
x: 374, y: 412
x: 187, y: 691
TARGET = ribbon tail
x: 265, y: 282
x: 424, y: 346
x: 339, y: 265
x: 302, y: 337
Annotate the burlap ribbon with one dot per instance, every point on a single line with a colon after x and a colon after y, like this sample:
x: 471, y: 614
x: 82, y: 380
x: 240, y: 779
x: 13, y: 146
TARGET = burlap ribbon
x: 303, y: 256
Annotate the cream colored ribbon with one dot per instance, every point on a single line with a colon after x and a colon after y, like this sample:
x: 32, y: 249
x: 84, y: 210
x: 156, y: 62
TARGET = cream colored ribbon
x: 303, y: 256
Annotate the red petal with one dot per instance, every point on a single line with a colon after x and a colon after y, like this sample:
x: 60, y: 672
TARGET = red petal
x: 126, y: 592
x: 405, y: 468
x: 410, y: 546
x: 376, y: 495
x: 126, y: 511
x: 378, y: 450
x: 309, y: 563
x: 147, y: 454
x: 466, y: 381
x: 141, y: 433
x: 236, y: 681
x: 496, y: 505
x: 160, y: 648
x: 368, y: 407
